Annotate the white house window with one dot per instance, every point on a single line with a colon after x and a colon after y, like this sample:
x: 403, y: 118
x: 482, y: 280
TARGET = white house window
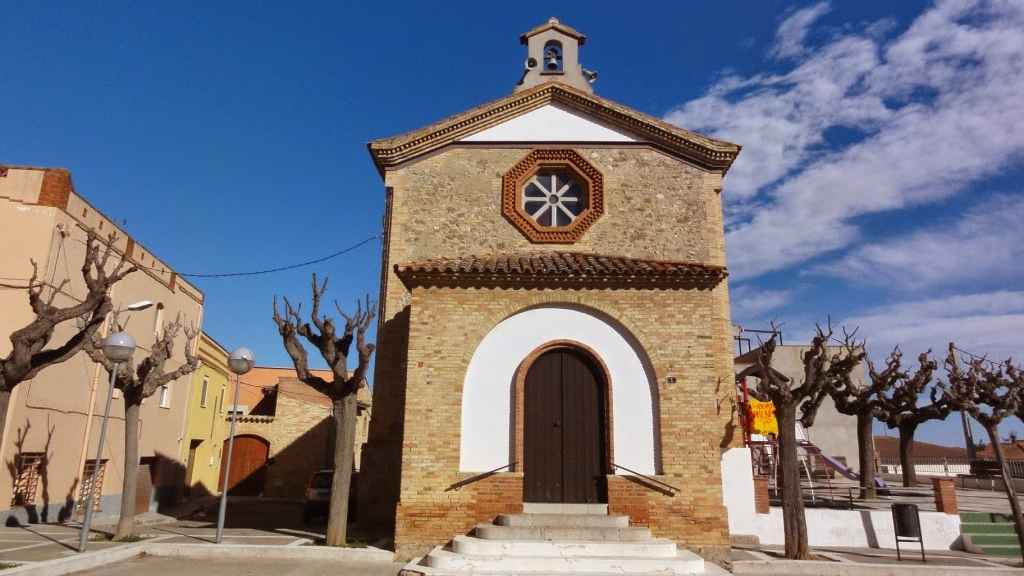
x: 554, y: 197
x: 165, y: 396
x: 204, y: 391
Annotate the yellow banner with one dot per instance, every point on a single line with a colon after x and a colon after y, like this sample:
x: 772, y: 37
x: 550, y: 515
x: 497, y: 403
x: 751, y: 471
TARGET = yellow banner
x: 762, y: 418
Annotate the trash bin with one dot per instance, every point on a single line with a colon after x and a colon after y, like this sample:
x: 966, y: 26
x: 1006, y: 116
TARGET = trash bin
x: 906, y: 523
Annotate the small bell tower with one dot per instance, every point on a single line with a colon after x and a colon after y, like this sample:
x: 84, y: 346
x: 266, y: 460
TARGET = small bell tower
x: 552, y: 55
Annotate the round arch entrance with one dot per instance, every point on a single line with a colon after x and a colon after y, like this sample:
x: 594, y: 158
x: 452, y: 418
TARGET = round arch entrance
x: 487, y: 426
x: 564, y: 438
x: 248, y: 465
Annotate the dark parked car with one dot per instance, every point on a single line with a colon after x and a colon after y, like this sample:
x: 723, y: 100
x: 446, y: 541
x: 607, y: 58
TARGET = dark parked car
x: 318, y: 496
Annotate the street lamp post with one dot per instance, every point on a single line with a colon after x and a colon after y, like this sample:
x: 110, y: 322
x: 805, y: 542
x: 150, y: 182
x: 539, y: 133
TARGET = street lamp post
x: 240, y: 362
x: 118, y: 348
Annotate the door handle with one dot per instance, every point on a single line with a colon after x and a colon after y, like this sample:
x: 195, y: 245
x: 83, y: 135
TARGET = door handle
x: 557, y: 424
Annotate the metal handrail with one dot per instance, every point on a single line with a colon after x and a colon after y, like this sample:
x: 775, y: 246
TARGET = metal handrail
x: 648, y: 478
x: 478, y: 477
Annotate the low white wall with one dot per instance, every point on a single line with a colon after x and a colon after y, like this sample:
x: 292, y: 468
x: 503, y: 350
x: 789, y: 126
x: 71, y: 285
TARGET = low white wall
x: 859, y: 528
x: 738, y: 491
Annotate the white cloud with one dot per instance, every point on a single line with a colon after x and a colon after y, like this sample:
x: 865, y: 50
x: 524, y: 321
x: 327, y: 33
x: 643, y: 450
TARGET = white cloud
x: 987, y: 244
x: 749, y: 304
x: 930, y: 112
x: 789, y: 39
x: 984, y: 323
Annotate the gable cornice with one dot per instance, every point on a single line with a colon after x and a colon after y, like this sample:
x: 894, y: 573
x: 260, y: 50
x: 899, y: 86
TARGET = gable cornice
x: 704, y: 151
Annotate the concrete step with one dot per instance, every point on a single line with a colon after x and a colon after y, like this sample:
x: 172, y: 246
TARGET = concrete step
x: 563, y: 520
x: 973, y: 528
x: 974, y: 517
x: 594, y: 534
x: 654, y: 548
x: 995, y: 539
x: 560, y: 508
x: 683, y: 562
x: 1009, y: 551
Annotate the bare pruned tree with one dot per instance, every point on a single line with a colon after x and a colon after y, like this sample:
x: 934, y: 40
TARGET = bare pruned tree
x: 136, y: 383
x: 820, y: 373
x: 989, y: 392
x: 341, y: 389
x: 899, y: 403
x: 859, y: 399
x: 29, y: 345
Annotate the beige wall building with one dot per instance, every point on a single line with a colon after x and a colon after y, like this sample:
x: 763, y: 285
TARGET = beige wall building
x: 554, y: 307
x: 52, y: 426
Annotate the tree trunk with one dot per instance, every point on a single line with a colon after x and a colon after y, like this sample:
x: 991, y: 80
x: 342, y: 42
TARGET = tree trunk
x: 792, y: 502
x: 1011, y: 491
x: 341, y: 485
x: 906, y: 454
x: 126, y: 523
x: 5, y: 401
x: 866, y: 455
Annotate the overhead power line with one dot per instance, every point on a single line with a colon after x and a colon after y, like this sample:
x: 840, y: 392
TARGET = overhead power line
x: 281, y: 268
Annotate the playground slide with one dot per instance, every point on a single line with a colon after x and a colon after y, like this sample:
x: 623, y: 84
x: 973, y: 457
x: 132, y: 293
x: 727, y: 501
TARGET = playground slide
x: 846, y: 472
x: 839, y: 466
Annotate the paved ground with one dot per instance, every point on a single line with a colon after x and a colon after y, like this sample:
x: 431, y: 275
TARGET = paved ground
x: 151, y: 566
x: 267, y: 523
x: 43, y: 542
x: 878, y: 556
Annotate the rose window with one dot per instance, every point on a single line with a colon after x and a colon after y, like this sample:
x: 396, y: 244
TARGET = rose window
x: 554, y: 198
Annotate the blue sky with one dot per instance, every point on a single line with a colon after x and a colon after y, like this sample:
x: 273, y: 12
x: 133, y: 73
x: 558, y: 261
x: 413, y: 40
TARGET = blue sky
x: 879, y: 181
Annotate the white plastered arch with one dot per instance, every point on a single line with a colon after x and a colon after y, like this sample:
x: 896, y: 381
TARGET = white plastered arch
x: 487, y: 389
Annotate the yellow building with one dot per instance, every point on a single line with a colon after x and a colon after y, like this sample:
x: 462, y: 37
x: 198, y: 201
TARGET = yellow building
x: 206, y: 425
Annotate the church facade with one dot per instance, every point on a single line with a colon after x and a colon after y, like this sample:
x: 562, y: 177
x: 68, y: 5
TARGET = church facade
x: 554, y: 321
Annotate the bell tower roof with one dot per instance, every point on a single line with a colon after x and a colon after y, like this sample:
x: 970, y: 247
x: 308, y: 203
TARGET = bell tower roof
x: 552, y: 55
x: 553, y: 24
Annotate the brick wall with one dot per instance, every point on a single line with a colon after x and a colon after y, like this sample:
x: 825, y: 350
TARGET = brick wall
x: 299, y: 434
x: 684, y: 334
x: 448, y: 204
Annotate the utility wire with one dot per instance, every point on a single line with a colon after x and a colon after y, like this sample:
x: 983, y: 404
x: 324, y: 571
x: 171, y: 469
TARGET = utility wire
x: 280, y: 268
x: 331, y: 256
x: 978, y: 357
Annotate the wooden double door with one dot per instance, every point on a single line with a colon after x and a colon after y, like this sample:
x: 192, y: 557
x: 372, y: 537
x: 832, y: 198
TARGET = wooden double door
x: 249, y: 459
x: 564, y: 433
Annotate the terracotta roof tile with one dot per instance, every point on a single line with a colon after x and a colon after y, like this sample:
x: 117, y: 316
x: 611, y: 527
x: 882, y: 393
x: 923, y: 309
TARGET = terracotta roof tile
x: 888, y: 447
x: 557, y: 268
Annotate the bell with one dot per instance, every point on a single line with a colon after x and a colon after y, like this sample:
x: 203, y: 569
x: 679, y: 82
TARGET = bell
x: 552, y: 62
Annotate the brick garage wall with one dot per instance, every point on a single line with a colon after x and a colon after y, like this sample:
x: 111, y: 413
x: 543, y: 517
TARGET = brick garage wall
x: 448, y: 204
x: 299, y: 435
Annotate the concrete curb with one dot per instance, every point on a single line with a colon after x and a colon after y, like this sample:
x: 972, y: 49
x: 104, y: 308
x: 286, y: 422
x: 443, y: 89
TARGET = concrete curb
x: 283, y: 552
x: 79, y: 562
x: 153, y: 547
x: 819, y: 568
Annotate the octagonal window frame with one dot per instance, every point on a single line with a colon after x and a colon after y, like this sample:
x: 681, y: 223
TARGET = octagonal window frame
x: 514, y: 182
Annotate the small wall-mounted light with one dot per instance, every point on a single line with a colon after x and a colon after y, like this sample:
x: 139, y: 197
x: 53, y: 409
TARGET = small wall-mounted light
x: 671, y: 380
